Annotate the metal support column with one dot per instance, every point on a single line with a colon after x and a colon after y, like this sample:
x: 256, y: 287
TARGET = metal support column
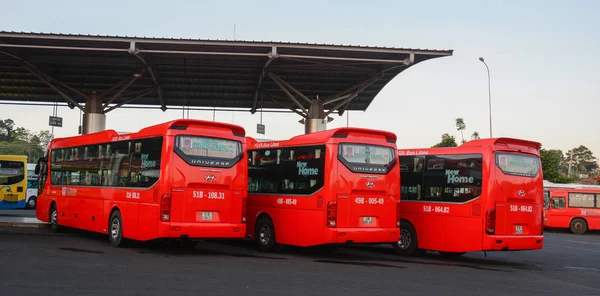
x: 94, y: 119
x: 316, y: 120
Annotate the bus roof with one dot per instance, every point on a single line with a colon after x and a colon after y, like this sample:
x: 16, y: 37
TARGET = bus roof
x: 490, y: 142
x: 324, y: 136
x: 548, y: 184
x: 154, y: 130
x: 14, y: 157
x: 502, y: 141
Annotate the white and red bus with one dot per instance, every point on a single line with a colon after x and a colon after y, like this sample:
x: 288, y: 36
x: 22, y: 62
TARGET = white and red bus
x: 485, y: 195
x: 183, y: 179
x: 338, y: 186
x: 572, y: 207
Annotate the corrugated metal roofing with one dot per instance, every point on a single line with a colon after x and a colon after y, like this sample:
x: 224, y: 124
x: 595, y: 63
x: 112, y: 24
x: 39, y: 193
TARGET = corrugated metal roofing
x: 196, y: 72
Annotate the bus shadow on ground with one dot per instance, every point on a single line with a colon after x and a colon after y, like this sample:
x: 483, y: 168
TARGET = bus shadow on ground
x: 432, y: 258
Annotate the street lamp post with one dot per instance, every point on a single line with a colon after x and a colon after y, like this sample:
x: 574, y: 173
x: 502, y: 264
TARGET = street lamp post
x: 489, y: 93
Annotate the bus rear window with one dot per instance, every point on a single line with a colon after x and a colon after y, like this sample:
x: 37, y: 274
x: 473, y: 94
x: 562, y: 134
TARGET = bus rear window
x: 11, y: 172
x: 207, y: 151
x: 518, y: 164
x: 364, y: 158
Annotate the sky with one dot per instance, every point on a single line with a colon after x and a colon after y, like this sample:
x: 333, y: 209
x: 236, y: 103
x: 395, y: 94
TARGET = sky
x: 543, y: 59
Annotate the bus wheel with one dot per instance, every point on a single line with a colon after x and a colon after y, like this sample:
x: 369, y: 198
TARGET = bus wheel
x: 31, y: 203
x: 451, y: 254
x: 578, y: 226
x: 265, y: 235
x: 407, y: 244
x: 54, y: 219
x: 115, y: 229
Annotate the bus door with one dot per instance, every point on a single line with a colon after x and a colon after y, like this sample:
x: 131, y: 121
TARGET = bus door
x: 518, y: 195
x: 364, y: 198
x: 207, y: 180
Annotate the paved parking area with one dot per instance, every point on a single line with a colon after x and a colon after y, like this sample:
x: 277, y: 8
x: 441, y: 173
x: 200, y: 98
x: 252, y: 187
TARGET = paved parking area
x: 80, y: 263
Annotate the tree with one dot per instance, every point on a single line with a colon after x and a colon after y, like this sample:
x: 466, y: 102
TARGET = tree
x: 7, y: 127
x: 20, y: 141
x: 553, y: 163
x: 475, y: 136
x: 447, y: 141
x: 461, y: 126
x: 583, y: 160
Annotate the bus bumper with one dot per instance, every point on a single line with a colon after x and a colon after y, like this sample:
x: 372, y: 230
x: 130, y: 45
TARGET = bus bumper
x: 366, y: 235
x: 514, y: 243
x: 12, y: 204
x: 201, y: 230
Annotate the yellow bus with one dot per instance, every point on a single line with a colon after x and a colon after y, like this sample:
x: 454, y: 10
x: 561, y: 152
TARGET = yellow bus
x: 13, y: 181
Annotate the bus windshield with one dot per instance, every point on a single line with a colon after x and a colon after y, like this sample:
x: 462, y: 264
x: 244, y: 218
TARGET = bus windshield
x: 518, y: 164
x: 11, y: 172
x: 367, y: 158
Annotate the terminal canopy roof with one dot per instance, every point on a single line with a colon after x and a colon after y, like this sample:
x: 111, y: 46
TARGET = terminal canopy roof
x: 36, y: 67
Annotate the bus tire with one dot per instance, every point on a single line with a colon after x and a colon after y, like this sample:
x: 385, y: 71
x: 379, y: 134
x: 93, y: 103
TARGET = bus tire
x: 578, y: 226
x: 53, y: 218
x: 265, y: 235
x: 31, y: 203
x: 407, y: 245
x: 115, y: 230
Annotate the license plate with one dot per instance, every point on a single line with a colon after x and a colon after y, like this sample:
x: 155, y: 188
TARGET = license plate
x: 368, y: 220
x: 206, y: 216
x: 519, y: 229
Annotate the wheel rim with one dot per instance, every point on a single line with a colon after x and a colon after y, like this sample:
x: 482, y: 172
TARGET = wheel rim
x: 54, y: 217
x: 265, y: 234
x: 115, y: 228
x: 32, y: 203
x: 578, y: 225
x: 405, y: 239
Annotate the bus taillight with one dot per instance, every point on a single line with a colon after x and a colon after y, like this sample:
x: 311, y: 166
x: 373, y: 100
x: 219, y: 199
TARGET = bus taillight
x: 243, y: 210
x: 490, y: 221
x: 398, y: 214
x: 165, y: 208
x: 331, y: 213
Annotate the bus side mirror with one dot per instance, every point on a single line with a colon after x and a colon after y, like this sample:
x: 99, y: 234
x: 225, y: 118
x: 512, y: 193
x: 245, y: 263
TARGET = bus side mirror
x: 37, y: 169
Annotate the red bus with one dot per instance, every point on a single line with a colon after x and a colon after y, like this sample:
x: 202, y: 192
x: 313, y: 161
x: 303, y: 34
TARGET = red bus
x: 577, y: 209
x: 339, y: 186
x: 485, y: 195
x: 181, y: 179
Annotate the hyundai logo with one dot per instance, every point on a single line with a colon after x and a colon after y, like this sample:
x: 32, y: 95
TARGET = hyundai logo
x: 370, y: 184
x: 521, y: 193
x: 210, y: 178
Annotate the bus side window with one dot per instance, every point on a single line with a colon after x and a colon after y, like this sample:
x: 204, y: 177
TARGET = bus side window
x: 411, y: 177
x: 558, y: 202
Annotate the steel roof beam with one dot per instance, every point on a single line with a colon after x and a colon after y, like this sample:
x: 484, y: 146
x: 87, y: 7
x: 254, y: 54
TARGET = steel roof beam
x: 130, y: 100
x: 287, y: 92
x: 290, y: 87
x: 272, y: 56
x: 135, y: 52
x: 46, y: 79
x: 278, y: 102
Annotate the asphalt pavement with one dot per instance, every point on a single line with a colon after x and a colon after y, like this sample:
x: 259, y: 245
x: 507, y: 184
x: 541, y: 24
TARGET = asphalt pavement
x: 35, y: 261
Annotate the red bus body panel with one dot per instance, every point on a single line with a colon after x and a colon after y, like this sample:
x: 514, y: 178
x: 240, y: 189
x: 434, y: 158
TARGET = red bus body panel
x: 89, y: 207
x: 301, y: 220
x: 562, y: 217
x: 461, y: 227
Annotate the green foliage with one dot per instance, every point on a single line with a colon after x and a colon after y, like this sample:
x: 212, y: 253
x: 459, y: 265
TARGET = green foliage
x: 447, y: 141
x: 461, y: 126
x: 554, y: 166
x: 20, y: 141
x: 475, y: 136
x: 583, y: 160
